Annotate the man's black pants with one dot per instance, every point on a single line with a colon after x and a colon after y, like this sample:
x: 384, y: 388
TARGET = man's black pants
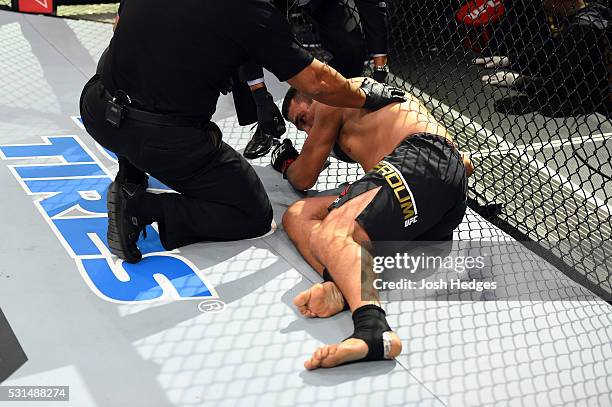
x: 220, y: 197
x: 340, y: 34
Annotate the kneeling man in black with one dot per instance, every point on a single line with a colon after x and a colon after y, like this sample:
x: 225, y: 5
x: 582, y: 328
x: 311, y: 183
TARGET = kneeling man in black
x: 414, y: 188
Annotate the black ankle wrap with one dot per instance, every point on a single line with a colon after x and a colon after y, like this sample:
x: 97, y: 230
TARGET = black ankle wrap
x: 328, y: 278
x: 370, y: 324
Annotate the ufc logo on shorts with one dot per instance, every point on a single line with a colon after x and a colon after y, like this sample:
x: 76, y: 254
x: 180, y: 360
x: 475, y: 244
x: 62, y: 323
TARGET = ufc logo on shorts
x: 410, y: 221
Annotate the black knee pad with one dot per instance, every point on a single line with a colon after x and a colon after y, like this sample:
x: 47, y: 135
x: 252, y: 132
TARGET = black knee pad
x: 371, y: 327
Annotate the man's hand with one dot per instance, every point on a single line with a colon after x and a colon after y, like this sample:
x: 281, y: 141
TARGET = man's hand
x: 467, y: 162
x: 379, y: 95
x: 492, y: 62
x: 283, y: 156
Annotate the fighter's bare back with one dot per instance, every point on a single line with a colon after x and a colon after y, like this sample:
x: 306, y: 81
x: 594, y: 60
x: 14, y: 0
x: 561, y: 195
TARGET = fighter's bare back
x: 368, y: 136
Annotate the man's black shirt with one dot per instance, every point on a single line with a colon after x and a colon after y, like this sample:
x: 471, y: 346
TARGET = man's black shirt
x: 174, y: 59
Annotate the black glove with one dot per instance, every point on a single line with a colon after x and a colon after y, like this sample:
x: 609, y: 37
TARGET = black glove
x: 283, y: 156
x: 379, y: 95
x: 269, y: 118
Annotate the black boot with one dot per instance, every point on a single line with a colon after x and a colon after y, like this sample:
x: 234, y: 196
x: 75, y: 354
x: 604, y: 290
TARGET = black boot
x: 270, y: 125
x: 259, y: 145
x: 123, y: 227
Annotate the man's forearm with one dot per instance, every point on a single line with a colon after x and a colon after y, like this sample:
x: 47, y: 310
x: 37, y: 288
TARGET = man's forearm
x: 297, y: 181
x: 324, y: 84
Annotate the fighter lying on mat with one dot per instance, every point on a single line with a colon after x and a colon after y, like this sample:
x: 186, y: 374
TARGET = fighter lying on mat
x: 414, y: 189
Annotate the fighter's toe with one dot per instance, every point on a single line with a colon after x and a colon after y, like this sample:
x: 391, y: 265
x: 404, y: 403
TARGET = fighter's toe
x: 302, y: 299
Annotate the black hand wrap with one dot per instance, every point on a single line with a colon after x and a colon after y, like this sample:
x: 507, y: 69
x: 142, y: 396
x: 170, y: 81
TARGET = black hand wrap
x: 370, y: 325
x: 379, y: 95
x: 269, y: 117
x: 283, y: 156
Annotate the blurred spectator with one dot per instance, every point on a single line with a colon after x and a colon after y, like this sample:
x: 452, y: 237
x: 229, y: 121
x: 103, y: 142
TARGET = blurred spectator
x: 565, y: 73
x: 524, y: 23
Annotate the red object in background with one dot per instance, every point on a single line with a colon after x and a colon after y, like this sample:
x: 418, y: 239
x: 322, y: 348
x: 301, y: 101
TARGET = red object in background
x: 476, y: 18
x: 35, y: 6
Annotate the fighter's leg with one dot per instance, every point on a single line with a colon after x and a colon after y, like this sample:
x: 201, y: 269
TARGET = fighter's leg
x: 336, y: 243
x: 300, y: 219
x: 389, y: 214
x: 321, y: 300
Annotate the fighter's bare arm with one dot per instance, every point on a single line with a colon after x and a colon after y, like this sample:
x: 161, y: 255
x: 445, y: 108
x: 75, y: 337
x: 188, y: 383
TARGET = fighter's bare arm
x: 303, y: 173
x: 324, y: 84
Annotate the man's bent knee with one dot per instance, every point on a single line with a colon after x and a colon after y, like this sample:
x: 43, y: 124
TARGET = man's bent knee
x: 292, y: 215
x: 293, y: 219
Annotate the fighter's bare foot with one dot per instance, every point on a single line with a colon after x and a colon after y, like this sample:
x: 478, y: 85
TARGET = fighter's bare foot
x: 350, y: 350
x: 320, y: 300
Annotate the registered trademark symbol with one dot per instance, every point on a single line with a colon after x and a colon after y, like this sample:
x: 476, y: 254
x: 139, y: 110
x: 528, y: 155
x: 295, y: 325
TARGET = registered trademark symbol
x: 211, y: 306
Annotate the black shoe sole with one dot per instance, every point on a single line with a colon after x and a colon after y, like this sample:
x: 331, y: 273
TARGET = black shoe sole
x: 259, y: 154
x: 113, y: 234
x: 262, y: 153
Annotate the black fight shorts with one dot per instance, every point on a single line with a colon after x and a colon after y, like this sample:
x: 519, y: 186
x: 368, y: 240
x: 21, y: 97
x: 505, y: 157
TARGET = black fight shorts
x: 423, y: 192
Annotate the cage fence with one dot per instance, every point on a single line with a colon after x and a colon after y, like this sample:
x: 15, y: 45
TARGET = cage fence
x: 536, y: 122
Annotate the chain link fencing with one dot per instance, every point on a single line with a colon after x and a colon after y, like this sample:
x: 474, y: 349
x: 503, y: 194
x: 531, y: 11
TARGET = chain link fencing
x: 525, y: 90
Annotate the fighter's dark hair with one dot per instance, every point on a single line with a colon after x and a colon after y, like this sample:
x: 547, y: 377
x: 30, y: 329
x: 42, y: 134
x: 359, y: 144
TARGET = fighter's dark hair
x: 289, y: 96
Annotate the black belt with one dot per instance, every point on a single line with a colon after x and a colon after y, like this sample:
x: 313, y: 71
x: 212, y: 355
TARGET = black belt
x: 157, y: 119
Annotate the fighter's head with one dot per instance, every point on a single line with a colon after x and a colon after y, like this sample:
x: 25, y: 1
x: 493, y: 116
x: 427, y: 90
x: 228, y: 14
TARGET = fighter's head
x: 296, y: 109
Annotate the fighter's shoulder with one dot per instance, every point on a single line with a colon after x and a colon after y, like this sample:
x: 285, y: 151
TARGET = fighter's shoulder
x: 326, y: 112
x: 328, y: 122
